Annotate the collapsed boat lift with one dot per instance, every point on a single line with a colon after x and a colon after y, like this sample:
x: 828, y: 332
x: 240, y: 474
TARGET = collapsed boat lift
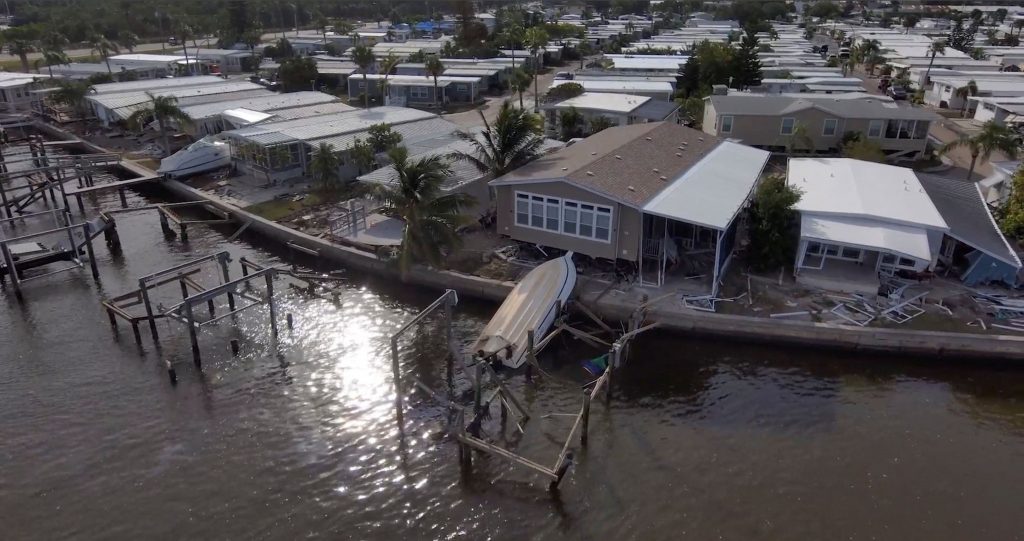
x: 537, y: 300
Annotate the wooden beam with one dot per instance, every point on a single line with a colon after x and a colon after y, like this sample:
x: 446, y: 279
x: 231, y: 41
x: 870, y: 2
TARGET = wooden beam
x: 491, y: 448
x: 586, y: 311
x: 583, y: 336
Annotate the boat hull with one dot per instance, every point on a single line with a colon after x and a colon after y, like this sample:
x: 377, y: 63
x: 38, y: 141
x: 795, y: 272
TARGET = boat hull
x: 531, y: 305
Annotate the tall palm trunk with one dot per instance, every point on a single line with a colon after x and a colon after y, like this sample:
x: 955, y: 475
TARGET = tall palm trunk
x: 520, y: 97
x: 184, y: 51
x: 513, y: 58
x: 436, y: 106
x: 536, y: 92
x: 23, y: 57
x: 366, y: 92
x: 928, y: 71
x: 106, y: 59
x: 163, y: 134
x: 974, y: 161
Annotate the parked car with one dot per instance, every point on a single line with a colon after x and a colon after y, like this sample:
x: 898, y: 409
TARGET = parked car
x: 884, y: 82
x: 897, y: 92
x: 172, y: 40
x: 564, y: 76
x: 844, y: 53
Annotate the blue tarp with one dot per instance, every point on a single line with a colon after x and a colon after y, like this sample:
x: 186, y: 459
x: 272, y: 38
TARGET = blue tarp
x: 985, y: 269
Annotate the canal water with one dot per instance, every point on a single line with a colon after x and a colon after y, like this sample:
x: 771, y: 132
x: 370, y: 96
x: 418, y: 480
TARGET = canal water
x: 702, y: 439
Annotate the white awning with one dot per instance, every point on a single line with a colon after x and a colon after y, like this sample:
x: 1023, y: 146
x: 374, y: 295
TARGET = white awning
x: 713, y: 191
x: 867, y: 234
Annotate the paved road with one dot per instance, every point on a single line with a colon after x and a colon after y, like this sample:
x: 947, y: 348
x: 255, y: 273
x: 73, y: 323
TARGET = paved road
x: 491, y: 106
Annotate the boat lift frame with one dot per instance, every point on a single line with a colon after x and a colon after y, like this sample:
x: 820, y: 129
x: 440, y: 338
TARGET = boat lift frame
x: 467, y: 434
x: 73, y: 251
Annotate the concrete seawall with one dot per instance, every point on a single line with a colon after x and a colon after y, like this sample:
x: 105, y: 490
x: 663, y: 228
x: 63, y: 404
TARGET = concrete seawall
x: 888, y: 341
x: 780, y: 332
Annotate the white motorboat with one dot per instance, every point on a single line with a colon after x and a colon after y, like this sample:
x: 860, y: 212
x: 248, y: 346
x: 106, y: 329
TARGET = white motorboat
x: 530, y: 306
x: 206, y: 154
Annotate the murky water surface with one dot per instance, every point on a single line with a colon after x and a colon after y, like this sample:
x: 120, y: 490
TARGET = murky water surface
x: 702, y: 440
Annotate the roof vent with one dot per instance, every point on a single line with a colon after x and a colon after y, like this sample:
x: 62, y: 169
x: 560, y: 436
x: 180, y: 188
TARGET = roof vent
x: 593, y: 153
x: 701, y: 139
x: 590, y: 173
x: 630, y: 188
x: 648, y: 139
x: 663, y: 177
x: 565, y: 169
x: 617, y: 157
x: 655, y: 170
x: 679, y: 154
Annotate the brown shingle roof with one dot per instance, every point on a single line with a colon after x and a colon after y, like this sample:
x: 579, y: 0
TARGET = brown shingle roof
x: 630, y: 164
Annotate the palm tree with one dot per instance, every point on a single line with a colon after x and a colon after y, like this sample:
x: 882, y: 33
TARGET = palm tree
x: 970, y: 89
x: 21, y: 41
x: 520, y: 82
x: 54, y: 57
x: 52, y: 48
x: 363, y: 57
x: 72, y: 94
x: 513, y: 140
x: 184, y: 31
x: 536, y: 38
x: 164, y: 109
x: 324, y: 166
x: 571, y: 122
x: 387, y: 65
x: 128, y: 40
x: 991, y: 138
x: 434, y: 68
x: 431, y: 217
x: 252, y: 37
x: 511, y: 37
x: 937, y: 47
x: 103, y: 47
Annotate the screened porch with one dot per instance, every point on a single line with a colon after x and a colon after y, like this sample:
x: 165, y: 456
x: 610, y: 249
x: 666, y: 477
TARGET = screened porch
x: 683, y: 256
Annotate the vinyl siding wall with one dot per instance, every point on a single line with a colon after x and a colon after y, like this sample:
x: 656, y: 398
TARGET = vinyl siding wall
x: 626, y: 222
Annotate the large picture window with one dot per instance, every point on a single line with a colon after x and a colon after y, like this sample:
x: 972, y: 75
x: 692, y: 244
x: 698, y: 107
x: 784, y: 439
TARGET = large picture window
x: 564, y: 216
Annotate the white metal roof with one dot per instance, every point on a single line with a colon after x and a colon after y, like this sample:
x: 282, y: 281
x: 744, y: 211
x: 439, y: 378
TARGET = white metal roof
x: 142, y: 57
x: 600, y: 101
x: 118, y: 100
x: 844, y: 187
x: 150, y: 84
x: 269, y: 101
x: 320, y: 127
x: 619, y: 86
x: 712, y: 191
x: 865, y: 233
x: 662, y: 63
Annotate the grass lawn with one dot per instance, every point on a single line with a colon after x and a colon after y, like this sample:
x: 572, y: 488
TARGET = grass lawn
x: 280, y: 209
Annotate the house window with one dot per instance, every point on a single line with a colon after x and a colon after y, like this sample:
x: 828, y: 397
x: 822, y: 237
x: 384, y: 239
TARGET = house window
x: 727, y: 124
x: 788, y: 126
x: 573, y: 218
x: 988, y: 106
x: 462, y: 88
x: 875, y: 128
x: 830, y: 127
x: 834, y: 251
x: 421, y: 92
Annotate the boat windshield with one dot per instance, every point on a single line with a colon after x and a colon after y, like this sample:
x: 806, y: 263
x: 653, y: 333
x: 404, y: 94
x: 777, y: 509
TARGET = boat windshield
x: 205, y: 142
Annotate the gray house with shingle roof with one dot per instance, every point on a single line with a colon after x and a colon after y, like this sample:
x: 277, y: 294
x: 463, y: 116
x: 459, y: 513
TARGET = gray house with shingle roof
x: 774, y: 122
x: 659, y: 195
x: 973, y: 248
